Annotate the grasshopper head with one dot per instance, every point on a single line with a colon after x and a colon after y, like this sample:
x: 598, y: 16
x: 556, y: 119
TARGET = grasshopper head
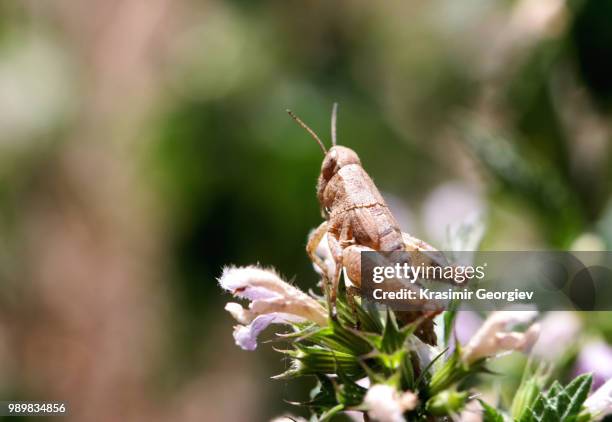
x: 336, y: 158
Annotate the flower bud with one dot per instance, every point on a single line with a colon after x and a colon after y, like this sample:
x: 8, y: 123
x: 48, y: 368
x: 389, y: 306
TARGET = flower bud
x: 495, y: 336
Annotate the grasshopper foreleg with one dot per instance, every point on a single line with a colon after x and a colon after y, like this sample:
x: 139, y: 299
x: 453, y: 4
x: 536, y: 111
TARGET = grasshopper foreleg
x: 314, y: 241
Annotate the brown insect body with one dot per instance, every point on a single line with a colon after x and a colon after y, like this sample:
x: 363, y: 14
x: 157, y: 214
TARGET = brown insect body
x: 357, y: 220
x: 353, y: 205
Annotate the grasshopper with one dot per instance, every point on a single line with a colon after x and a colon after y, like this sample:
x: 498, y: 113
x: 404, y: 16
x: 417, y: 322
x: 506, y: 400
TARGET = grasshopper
x: 357, y: 219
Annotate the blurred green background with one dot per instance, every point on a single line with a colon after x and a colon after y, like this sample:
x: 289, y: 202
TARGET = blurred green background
x: 144, y: 145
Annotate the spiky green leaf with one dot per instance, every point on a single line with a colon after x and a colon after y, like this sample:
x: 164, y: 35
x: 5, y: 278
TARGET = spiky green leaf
x: 489, y: 413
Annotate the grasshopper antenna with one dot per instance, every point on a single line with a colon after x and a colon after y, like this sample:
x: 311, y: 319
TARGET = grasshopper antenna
x: 333, y: 123
x: 309, y: 130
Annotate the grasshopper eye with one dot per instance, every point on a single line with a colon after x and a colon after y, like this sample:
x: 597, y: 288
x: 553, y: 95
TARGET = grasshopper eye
x: 328, y: 169
x: 330, y: 164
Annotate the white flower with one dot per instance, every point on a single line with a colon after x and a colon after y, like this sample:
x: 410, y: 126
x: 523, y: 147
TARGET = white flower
x: 272, y: 301
x: 599, y: 403
x: 386, y: 404
x: 558, y: 328
x: 494, y: 335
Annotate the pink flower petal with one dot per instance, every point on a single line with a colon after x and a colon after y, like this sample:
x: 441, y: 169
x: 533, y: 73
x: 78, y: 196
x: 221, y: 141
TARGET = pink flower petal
x: 246, y: 335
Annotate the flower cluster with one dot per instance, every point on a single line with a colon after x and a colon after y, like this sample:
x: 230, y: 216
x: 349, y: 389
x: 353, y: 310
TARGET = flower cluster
x: 370, y: 365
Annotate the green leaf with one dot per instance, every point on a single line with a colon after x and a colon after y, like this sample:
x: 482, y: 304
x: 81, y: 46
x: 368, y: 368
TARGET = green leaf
x: 543, y: 410
x: 555, y: 389
x: 425, y: 376
x: 532, y: 383
x: 407, y: 372
x: 490, y: 414
x: 577, y: 392
x: 558, y: 403
x: 334, y: 394
x: 446, y: 374
x: 313, y: 360
x: 330, y: 413
x: 375, y: 376
x: 449, y: 321
x: 364, y: 314
x: 550, y: 414
x: 369, y: 317
x: 323, y: 396
x: 392, y: 338
x: 349, y: 393
x: 339, y: 338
